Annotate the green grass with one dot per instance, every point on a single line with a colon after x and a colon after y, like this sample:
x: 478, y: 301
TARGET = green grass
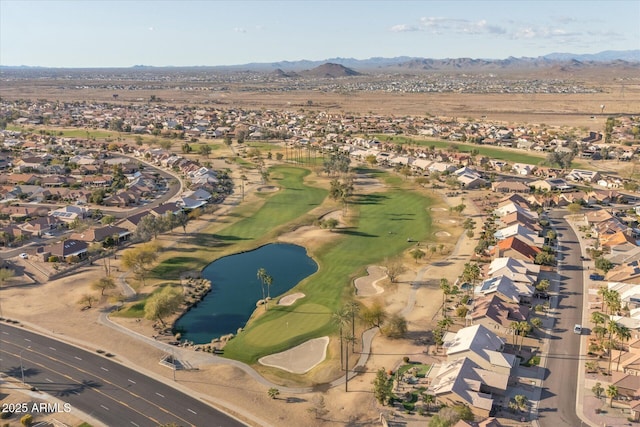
x: 254, y: 226
x: 136, y: 309
x: 422, y: 369
x: 507, y: 154
x: 381, y: 231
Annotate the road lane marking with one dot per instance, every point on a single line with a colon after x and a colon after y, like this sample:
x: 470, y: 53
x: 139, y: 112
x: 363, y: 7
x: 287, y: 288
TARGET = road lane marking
x: 77, y: 358
x: 159, y: 394
x: 104, y: 369
x: 27, y: 339
x: 131, y: 381
x: 6, y: 333
x: 49, y: 380
x: 104, y: 407
x: 134, y: 424
x: 51, y: 348
x: 192, y: 411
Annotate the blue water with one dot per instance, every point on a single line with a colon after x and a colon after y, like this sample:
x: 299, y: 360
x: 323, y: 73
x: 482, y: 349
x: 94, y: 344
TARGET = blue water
x: 235, y: 289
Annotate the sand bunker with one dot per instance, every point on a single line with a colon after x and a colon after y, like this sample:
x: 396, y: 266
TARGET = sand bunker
x: 438, y: 209
x: 300, y: 359
x: 267, y: 189
x: 443, y: 234
x: 449, y: 221
x: 290, y: 299
x: 368, y: 285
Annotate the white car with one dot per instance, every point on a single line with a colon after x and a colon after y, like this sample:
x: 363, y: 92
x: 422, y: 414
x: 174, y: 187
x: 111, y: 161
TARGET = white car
x: 577, y: 329
x: 23, y: 255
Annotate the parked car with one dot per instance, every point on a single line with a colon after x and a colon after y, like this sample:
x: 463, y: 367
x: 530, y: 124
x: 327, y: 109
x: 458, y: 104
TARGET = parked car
x: 596, y: 276
x: 577, y: 329
x: 23, y: 255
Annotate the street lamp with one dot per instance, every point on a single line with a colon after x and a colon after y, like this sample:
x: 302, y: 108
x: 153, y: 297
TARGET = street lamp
x: 21, y: 365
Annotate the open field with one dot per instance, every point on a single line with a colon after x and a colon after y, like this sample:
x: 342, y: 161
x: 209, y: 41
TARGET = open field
x: 618, y: 89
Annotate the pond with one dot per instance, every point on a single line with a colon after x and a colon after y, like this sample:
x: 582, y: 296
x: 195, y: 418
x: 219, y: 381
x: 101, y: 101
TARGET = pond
x: 235, y: 289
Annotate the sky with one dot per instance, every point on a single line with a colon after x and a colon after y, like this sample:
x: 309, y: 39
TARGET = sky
x: 94, y: 33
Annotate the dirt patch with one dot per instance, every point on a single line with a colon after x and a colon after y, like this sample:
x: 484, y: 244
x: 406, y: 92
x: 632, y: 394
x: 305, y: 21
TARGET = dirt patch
x: 299, y: 359
x: 439, y: 209
x: 443, y: 234
x: 290, y: 299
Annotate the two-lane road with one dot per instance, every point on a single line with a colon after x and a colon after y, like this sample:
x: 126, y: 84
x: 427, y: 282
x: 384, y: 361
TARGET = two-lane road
x: 94, y: 384
x: 558, y: 401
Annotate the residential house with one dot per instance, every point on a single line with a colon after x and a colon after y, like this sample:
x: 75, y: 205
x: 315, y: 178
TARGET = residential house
x: 510, y: 186
x: 515, y: 247
x: 99, y: 234
x: 480, y: 345
x: 66, y: 249
x: 496, y: 314
x: 69, y: 213
x: 506, y: 289
x: 581, y: 175
x: 525, y: 234
x: 463, y: 382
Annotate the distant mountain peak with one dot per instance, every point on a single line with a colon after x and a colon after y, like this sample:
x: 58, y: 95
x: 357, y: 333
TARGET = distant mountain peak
x: 331, y: 70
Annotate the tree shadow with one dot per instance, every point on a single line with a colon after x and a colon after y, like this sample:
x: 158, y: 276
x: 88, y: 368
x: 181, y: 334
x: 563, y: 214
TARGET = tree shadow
x: 17, y: 372
x: 351, y: 232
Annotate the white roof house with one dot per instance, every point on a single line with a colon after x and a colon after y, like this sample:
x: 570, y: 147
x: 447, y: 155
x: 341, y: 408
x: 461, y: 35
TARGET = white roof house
x: 506, y: 289
x: 526, y: 235
x: 466, y: 381
x: 480, y: 345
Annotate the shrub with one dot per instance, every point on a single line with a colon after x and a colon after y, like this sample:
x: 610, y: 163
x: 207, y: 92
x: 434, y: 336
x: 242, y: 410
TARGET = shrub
x: 405, y: 359
x: 26, y: 420
x: 52, y: 258
x: 4, y: 415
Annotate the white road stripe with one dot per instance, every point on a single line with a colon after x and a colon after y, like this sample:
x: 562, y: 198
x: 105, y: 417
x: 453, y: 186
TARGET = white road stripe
x: 159, y: 394
x: 77, y: 358
x: 49, y: 380
x: 6, y: 333
x: 192, y: 411
x: 134, y: 424
x: 104, y: 369
x: 131, y: 381
x: 27, y: 339
x: 104, y: 407
x: 52, y: 348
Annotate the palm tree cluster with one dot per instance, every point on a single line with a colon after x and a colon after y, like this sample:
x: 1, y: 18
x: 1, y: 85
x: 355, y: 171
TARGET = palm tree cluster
x: 610, y: 335
x: 265, y: 280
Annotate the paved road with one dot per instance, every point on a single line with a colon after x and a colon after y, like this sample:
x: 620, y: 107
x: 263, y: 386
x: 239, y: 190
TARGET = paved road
x: 558, y: 401
x: 95, y: 385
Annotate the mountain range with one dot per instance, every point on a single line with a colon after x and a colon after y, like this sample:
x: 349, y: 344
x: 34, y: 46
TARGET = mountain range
x: 344, y: 67
x: 406, y: 63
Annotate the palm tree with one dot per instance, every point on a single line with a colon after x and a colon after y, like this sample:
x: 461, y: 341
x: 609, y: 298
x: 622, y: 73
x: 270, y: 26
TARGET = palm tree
x: 262, y: 274
x: 428, y: 399
x: 612, y: 393
x: 273, y: 392
x: 597, y: 318
x: 623, y: 334
x: 521, y: 401
x: 268, y: 280
x: 446, y: 289
x: 341, y: 318
x: 613, y: 329
x: 597, y: 390
x: 352, y: 308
